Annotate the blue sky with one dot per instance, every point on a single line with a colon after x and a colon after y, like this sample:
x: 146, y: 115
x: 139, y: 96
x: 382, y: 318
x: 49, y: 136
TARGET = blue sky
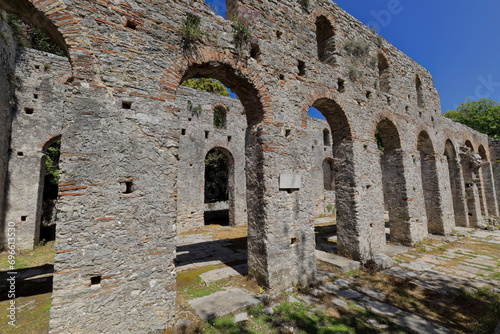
x: 458, y: 41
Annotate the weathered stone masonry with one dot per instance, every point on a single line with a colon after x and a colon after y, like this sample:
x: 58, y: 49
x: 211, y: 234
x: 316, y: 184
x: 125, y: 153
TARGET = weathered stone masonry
x: 125, y: 160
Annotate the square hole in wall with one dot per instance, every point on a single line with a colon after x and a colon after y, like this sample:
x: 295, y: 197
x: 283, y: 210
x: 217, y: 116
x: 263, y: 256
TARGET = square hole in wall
x: 341, y: 85
x: 294, y: 241
x: 24, y: 218
x: 95, y: 280
x: 37, y: 67
x: 301, y: 66
x: 35, y: 96
x: 183, y: 132
x: 29, y: 111
x: 206, y: 134
x: 229, y: 138
x: 126, y: 105
x: 287, y: 132
x: 20, y: 154
x: 131, y: 24
x: 129, y: 187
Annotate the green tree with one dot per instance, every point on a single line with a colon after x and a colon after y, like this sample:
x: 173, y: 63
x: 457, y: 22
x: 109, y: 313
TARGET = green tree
x: 482, y: 115
x: 51, y: 160
x: 207, y: 85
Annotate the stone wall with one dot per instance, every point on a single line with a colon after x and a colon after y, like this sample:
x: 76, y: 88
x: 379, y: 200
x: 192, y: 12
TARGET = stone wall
x: 37, y: 122
x: 123, y: 115
x: 198, y: 136
x: 7, y: 83
x: 495, y: 161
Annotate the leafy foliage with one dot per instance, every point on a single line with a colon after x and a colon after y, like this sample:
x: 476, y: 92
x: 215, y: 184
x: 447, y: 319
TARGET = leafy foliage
x: 220, y: 117
x: 216, y: 176
x: 357, y: 48
x: 207, y: 85
x: 52, y: 156
x: 380, y: 142
x: 30, y: 36
x: 190, y: 29
x: 195, y: 111
x: 243, y: 26
x: 482, y: 115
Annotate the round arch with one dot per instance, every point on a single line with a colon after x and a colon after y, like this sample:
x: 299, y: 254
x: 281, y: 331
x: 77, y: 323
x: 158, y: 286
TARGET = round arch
x: 61, y: 26
x: 449, y: 150
x: 393, y: 180
x: 456, y: 183
x: 482, y: 153
x: 210, y: 63
x: 430, y: 183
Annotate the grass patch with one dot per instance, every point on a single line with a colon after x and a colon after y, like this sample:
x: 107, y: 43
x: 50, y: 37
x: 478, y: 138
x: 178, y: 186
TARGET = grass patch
x: 190, y: 284
x: 33, y: 308
x: 40, y: 255
x: 460, y: 311
x: 32, y: 315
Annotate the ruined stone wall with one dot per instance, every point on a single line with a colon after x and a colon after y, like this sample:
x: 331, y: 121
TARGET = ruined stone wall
x: 37, y: 121
x: 198, y: 136
x: 495, y: 161
x: 121, y: 133
x: 7, y: 82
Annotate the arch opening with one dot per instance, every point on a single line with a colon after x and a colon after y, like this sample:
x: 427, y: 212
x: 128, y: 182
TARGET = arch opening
x: 246, y: 252
x: 28, y: 13
x: 457, y: 191
x: 420, y: 93
x: 328, y: 175
x: 486, y: 185
x: 383, y: 73
x: 325, y: 40
x: 219, y: 187
x: 326, y: 138
x: 342, y: 173
x: 220, y: 117
x: 430, y: 184
x: 393, y: 182
x: 231, y: 78
x: 50, y: 179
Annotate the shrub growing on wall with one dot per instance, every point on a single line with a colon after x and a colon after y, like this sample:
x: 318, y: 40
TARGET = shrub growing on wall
x: 30, y: 36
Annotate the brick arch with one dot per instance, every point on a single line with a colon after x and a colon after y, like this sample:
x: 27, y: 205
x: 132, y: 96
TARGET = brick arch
x: 343, y: 157
x: 423, y: 128
x: 381, y: 115
x: 54, y: 134
x: 450, y: 143
x: 483, y: 153
x: 323, y: 24
x: 317, y: 12
x: 386, y: 124
x: 470, y: 144
x: 317, y: 94
x: 54, y: 18
x: 225, y: 67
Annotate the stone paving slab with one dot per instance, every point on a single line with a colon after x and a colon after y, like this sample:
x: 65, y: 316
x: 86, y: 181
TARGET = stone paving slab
x: 222, y: 303
x: 338, y: 262
x: 473, y: 269
x: 419, y: 325
x: 400, y: 272
x: 419, y: 265
x: 218, y: 274
x: 382, y: 309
